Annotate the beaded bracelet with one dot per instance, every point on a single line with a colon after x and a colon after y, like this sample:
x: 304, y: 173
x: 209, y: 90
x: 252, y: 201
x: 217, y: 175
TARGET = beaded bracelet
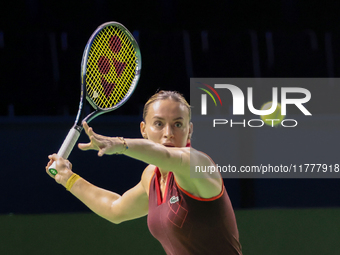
x: 125, y: 145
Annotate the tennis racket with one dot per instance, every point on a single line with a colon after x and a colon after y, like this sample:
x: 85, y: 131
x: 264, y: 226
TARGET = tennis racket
x: 110, y: 71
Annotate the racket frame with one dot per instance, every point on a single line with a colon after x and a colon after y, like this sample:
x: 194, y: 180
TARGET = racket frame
x: 76, y: 129
x: 98, y: 110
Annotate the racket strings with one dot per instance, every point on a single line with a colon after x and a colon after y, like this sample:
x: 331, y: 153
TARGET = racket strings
x: 111, y: 67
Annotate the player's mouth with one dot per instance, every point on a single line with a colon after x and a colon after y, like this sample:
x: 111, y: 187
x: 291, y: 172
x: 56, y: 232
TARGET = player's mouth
x: 168, y: 145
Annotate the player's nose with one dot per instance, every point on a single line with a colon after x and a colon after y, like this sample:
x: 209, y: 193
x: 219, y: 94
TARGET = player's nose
x: 168, y: 132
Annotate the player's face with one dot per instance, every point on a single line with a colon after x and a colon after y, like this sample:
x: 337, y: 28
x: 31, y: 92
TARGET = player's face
x: 167, y: 122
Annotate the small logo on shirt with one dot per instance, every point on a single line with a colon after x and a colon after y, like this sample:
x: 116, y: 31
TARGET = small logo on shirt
x: 174, y: 200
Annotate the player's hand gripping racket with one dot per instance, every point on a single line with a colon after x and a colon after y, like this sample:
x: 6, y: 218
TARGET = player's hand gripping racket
x: 110, y: 71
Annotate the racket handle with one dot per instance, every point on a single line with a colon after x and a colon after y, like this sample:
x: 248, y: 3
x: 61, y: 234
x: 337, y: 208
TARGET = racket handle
x: 66, y: 147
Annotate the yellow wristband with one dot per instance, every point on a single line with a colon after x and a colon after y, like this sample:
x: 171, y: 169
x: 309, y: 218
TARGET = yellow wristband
x: 71, y: 181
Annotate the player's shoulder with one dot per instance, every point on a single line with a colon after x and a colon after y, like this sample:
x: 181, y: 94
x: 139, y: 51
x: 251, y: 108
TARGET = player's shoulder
x: 197, y: 156
x: 147, y: 176
x: 201, y: 159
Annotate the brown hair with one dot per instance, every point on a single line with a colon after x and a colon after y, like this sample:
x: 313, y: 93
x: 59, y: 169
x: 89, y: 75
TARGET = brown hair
x: 163, y: 95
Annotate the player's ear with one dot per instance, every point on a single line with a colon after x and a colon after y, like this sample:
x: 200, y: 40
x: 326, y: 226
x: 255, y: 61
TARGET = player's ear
x: 142, y: 129
x: 191, y: 130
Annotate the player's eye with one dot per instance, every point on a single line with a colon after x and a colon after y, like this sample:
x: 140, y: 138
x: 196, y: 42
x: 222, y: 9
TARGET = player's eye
x: 178, y: 124
x: 158, y: 123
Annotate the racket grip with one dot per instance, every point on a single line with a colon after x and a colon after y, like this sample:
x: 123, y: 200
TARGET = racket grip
x: 66, y: 147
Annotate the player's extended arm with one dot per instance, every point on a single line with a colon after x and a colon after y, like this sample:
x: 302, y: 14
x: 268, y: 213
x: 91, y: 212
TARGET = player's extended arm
x: 171, y: 159
x: 109, y: 205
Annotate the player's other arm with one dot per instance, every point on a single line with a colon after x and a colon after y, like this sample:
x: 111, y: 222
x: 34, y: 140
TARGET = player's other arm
x: 109, y: 205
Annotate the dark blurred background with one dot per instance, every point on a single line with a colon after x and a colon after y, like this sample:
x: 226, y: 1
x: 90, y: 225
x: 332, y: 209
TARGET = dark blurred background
x: 41, y: 45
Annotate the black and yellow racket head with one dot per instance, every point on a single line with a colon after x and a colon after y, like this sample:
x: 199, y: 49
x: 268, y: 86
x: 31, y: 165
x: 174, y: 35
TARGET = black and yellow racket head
x: 111, y: 67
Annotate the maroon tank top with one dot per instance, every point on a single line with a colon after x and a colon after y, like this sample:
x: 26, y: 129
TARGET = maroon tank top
x: 185, y: 224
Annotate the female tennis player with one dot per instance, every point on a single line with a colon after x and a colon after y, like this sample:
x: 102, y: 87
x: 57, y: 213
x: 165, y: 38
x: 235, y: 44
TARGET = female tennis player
x: 186, y: 215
